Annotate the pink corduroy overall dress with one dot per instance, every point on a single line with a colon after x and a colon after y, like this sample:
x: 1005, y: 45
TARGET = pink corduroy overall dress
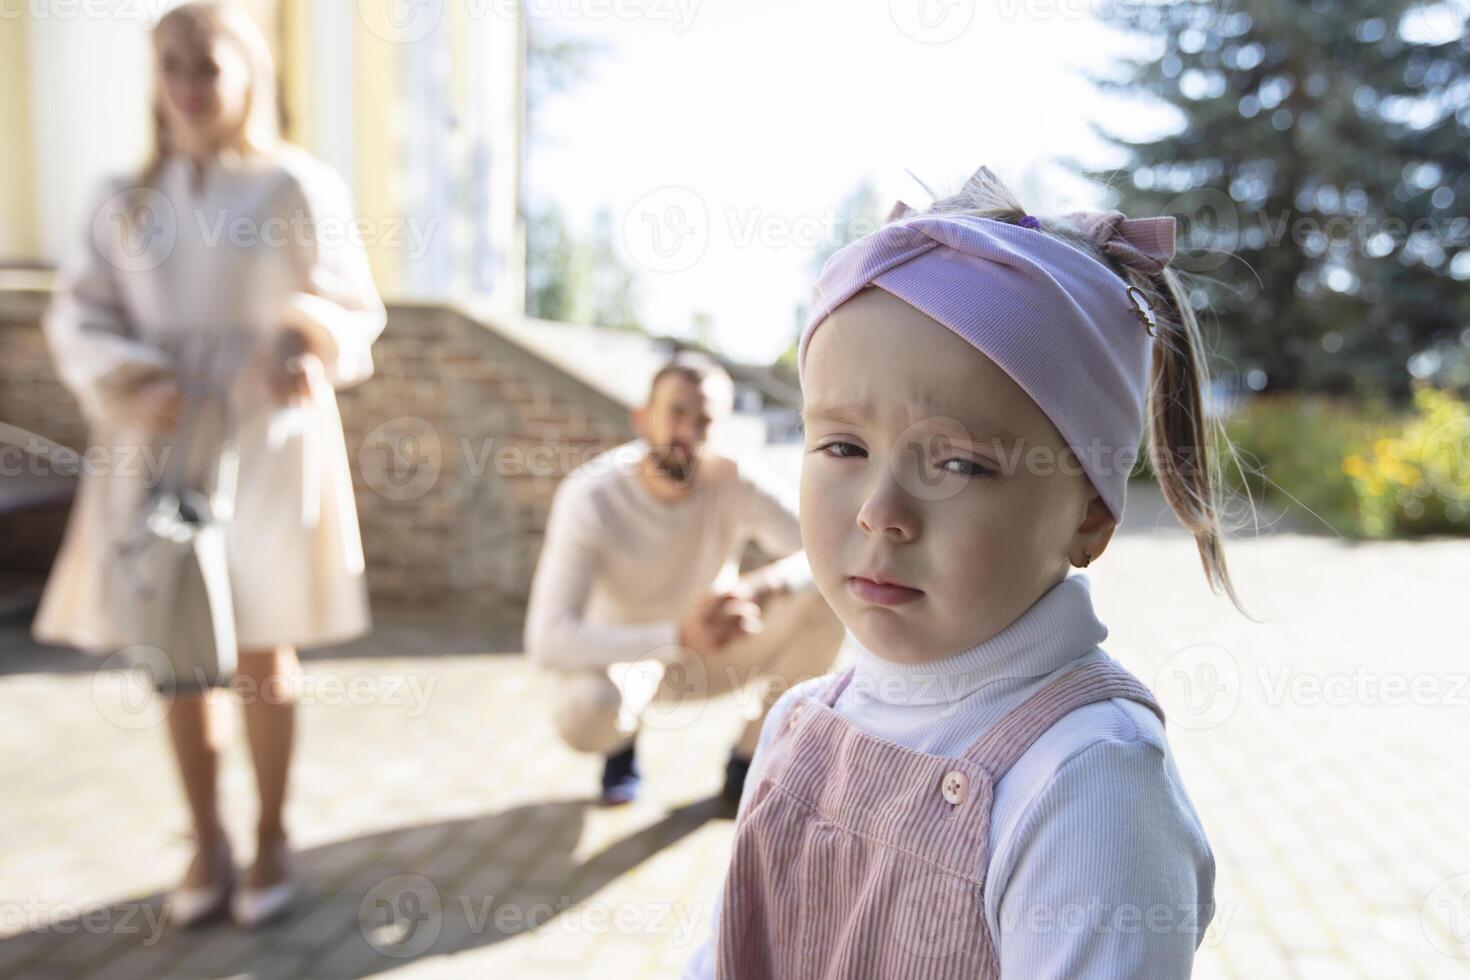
x: 857, y: 857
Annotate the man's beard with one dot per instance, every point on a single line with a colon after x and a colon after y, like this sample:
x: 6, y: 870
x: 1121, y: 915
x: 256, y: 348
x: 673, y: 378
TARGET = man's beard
x: 675, y: 462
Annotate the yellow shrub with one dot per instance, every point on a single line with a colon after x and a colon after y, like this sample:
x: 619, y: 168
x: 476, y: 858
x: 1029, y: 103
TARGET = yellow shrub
x: 1417, y: 482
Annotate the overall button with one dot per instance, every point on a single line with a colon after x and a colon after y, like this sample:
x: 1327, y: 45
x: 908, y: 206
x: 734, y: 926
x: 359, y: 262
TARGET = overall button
x: 955, y: 786
x: 793, y: 713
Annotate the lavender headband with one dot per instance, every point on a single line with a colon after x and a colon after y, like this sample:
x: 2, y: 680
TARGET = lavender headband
x: 1067, y: 328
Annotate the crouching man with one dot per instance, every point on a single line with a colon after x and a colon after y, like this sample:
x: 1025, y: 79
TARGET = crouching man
x: 637, y: 602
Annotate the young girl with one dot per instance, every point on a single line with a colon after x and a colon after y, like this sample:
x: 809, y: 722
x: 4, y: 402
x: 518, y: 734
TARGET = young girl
x: 984, y: 792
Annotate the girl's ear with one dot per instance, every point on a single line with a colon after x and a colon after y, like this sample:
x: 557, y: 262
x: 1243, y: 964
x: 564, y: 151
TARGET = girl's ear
x: 1094, y: 533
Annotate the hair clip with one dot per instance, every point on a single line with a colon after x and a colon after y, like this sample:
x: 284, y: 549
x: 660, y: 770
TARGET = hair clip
x: 1027, y: 221
x: 1142, y: 310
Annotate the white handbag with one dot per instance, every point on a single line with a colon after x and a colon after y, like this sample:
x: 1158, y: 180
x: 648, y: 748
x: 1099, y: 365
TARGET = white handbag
x: 172, y: 591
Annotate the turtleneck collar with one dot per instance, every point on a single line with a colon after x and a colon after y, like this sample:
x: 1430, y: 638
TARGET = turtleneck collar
x: 226, y: 158
x: 227, y: 161
x: 1059, y: 627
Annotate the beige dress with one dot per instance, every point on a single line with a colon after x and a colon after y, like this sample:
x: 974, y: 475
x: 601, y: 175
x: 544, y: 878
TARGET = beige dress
x: 251, y: 245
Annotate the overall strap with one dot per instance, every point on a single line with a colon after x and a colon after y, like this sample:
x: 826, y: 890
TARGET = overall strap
x: 829, y: 693
x: 1009, y: 738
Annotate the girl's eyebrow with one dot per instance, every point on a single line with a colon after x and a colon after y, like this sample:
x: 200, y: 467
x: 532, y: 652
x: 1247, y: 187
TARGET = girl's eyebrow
x: 856, y: 413
x: 840, y: 414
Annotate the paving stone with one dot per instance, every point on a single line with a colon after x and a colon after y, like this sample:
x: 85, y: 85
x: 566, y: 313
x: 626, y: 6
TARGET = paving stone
x: 1332, y: 825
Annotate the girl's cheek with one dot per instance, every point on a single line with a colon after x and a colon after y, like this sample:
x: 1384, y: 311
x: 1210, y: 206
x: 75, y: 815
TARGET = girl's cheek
x: 998, y: 547
x: 822, y: 523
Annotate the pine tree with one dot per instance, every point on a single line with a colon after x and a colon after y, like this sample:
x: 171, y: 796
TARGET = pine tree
x: 1306, y: 126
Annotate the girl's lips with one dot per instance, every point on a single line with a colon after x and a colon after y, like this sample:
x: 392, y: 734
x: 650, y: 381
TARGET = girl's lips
x: 883, y: 595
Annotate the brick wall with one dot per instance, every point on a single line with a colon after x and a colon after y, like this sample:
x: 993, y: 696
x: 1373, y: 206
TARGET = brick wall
x: 456, y: 446
x: 31, y: 395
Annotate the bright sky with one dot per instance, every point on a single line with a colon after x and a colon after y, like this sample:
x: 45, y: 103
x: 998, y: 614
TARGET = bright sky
x: 722, y: 134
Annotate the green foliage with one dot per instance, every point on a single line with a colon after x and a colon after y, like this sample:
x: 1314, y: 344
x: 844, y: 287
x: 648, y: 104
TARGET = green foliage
x: 1290, y: 449
x: 1359, y: 469
x: 578, y: 280
x: 1327, y: 270
x: 571, y: 278
x: 1417, y: 481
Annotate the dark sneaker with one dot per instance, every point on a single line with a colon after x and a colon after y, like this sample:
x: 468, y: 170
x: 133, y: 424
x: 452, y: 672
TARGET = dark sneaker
x: 736, y: 769
x: 620, y: 777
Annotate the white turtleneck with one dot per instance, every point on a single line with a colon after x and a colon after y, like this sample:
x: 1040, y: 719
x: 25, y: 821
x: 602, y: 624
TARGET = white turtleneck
x: 1099, y: 866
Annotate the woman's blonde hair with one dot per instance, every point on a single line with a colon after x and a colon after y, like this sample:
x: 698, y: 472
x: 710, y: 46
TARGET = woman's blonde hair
x: 1183, y: 440
x: 259, y: 129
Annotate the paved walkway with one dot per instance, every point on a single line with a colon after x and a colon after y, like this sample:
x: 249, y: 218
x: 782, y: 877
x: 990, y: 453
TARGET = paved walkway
x: 443, y: 831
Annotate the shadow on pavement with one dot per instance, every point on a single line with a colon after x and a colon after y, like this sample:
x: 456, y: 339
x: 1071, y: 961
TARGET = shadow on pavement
x: 391, y: 636
x: 376, y: 902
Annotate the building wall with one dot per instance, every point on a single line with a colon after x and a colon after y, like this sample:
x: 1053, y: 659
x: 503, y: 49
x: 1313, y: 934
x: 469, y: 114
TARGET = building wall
x: 426, y: 130
x: 17, y: 210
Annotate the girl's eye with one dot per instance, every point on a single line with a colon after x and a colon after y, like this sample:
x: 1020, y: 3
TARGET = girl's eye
x: 830, y: 445
x: 969, y: 467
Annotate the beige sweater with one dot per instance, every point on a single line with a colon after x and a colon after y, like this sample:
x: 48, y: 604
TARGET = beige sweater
x: 619, y: 567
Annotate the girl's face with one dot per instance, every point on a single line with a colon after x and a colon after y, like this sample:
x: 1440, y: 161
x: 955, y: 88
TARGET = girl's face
x: 926, y: 465
x: 205, y: 85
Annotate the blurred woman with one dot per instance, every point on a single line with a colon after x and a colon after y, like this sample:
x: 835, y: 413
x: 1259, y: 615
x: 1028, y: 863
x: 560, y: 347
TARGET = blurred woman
x: 227, y: 231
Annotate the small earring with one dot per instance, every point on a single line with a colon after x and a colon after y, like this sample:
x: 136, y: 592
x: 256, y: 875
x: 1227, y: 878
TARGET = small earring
x: 1086, y: 559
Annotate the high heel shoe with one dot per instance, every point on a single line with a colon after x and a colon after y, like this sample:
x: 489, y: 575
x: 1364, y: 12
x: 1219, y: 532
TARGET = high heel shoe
x: 188, y: 906
x: 251, y: 907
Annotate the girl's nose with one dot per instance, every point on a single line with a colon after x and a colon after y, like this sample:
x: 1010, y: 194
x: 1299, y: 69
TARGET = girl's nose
x: 889, y: 508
